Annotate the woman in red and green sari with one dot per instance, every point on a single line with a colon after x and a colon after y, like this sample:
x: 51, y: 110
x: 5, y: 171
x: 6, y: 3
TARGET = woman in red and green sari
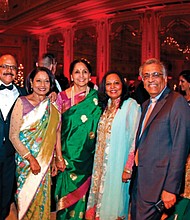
x: 34, y: 132
x: 80, y: 115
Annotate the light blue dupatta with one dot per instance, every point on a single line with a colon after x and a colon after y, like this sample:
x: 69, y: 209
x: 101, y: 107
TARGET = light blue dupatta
x: 115, y: 200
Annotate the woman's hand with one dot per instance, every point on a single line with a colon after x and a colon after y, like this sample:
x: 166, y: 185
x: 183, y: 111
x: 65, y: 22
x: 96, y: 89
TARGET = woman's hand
x: 60, y: 163
x: 53, y: 168
x: 34, y: 165
x: 126, y: 176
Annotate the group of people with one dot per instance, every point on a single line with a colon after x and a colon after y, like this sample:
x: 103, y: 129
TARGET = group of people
x: 109, y: 155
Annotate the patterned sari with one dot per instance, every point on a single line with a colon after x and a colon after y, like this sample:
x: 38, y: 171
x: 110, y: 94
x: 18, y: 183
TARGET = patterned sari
x: 79, y: 124
x: 38, y: 134
x: 109, y: 196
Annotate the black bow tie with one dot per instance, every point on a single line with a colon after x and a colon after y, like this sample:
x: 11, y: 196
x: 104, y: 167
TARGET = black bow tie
x: 2, y: 86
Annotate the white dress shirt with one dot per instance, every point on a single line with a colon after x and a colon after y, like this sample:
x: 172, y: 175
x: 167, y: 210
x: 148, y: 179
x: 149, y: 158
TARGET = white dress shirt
x: 7, y: 97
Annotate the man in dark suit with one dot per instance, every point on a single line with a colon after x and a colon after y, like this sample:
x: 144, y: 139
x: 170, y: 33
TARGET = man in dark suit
x: 8, y: 95
x: 162, y: 146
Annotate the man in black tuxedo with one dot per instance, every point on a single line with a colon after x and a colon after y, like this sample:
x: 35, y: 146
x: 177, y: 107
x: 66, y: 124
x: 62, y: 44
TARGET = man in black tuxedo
x: 8, y: 95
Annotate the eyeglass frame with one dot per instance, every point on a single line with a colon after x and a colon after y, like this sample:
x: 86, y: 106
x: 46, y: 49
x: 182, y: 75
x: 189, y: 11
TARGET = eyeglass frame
x: 154, y: 75
x: 6, y: 66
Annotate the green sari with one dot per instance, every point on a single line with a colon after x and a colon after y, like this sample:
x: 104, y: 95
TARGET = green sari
x: 79, y: 125
x: 38, y: 134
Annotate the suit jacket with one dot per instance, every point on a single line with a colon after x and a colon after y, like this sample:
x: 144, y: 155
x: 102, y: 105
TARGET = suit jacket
x: 63, y: 82
x: 163, y: 146
x: 6, y: 147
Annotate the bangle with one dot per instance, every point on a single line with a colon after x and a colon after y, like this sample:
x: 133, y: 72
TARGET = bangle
x: 28, y: 157
x: 59, y: 158
x: 26, y: 154
x: 127, y: 171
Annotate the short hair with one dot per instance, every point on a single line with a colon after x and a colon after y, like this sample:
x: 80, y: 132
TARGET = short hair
x: 186, y: 75
x: 103, y: 97
x: 34, y: 72
x: 153, y: 61
x: 47, y: 60
x: 81, y: 60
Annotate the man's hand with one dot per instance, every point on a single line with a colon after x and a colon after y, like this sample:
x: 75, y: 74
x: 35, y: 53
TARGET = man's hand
x: 168, y: 198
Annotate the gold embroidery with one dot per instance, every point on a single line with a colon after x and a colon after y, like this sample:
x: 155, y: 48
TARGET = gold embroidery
x: 72, y: 213
x: 91, y: 135
x: 84, y: 198
x: 81, y: 214
x: 83, y: 118
x: 187, y: 179
x: 62, y: 203
x: 73, y: 176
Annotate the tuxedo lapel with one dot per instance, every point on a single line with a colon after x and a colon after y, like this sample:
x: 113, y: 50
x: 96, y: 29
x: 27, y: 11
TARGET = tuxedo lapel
x: 1, y: 116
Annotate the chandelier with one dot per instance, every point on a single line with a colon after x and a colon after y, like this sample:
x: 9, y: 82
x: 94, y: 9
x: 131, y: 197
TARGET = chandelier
x: 170, y: 41
x: 4, y: 7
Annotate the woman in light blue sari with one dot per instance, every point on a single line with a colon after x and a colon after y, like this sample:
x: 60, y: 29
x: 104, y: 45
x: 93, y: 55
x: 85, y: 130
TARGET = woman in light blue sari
x: 114, y: 156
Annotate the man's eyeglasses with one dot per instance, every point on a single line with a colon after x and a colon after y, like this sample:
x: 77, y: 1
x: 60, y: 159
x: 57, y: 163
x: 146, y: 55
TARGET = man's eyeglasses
x: 154, y: 75
x: 5, y: 66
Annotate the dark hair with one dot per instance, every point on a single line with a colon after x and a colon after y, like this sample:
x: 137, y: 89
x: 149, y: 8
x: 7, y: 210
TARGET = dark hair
x: 50, y: 56
x: 186, y: 75
x: 34, y: 72
x: 103, y: 97
x: 81, y: 60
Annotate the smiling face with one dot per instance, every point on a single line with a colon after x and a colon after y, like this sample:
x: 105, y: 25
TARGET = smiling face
x: 8, y: 69
x: 41, y: 83
x: 113, y: 86
x: 80, y: 75
x: 154, y: 85
x: 184, y: 84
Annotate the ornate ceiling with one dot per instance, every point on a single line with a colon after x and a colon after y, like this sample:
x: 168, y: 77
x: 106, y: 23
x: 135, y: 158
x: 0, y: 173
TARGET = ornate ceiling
x: 43, y: 15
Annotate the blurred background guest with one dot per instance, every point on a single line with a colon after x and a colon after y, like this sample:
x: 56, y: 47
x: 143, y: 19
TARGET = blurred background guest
x: 33, y: 119
x: 80, y: 116
x: 114, y: 156
x: 184, y: 83
x: 48, y: 60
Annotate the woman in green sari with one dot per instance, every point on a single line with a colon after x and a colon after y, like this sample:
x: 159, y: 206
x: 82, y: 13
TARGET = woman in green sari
x: 80, y: 115
x: 35, y: 133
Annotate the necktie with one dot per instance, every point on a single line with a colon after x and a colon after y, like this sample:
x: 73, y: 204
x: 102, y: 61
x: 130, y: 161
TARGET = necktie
x: 2, y: 86
x: 149, y: 111
x: 151, y: 107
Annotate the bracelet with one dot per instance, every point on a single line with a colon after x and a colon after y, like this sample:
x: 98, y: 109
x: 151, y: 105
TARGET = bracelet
x: 59, y: 158
x: 127, y: 171
x: 26, y: 154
